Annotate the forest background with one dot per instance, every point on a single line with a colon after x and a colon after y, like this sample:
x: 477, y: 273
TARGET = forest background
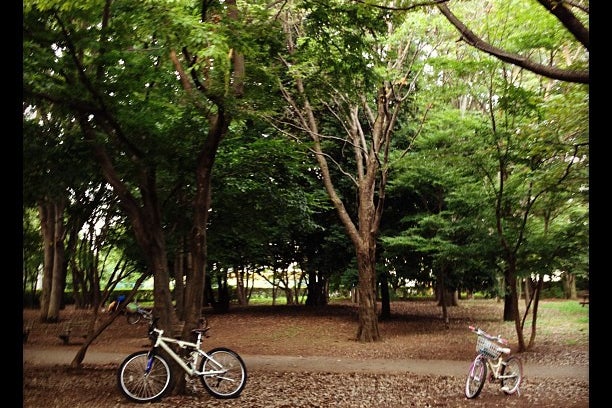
x: 338, y: 146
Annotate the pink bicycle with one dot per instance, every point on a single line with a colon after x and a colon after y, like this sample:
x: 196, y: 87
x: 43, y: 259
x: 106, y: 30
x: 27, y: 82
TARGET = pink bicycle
x: 493, y: 363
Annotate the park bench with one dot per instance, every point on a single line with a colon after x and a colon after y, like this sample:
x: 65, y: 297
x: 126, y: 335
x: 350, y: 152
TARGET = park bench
x: 74, y: 328
x: 585, y: 299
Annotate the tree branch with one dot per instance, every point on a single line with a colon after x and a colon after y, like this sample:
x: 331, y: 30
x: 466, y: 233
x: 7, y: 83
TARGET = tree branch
x: 472, y: 39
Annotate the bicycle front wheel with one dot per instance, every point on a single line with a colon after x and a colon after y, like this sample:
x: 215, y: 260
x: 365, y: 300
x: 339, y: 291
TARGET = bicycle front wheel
x: 476, y: 377
x: 224, y: 373
x: 144, y: 378
x: 512, y: 375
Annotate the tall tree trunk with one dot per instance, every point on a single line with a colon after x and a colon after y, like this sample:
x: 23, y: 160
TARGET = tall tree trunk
x: 59, y: 264
x: 54, y: 262
x: 219, y: 122
x: 47, y: 225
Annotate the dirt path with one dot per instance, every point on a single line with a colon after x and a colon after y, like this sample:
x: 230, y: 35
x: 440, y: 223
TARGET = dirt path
x: 302, y: 357
x: 64, y: 355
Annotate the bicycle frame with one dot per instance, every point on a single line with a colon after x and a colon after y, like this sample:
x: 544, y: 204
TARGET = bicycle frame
x: 145, y: 313
x: 164, y: 342
x: 496, y: 366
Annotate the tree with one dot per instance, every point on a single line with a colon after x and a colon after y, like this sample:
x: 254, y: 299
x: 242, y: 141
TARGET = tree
x: 575, y: 25
x: 85, y: 75
x: 260, y: 206
x: 111, y: 69
x: 443, y: 225
x: 563, y: 13
x: 532, y: 152
x: 57, y: 177
x: 32, y: 256
x: 337, y: 69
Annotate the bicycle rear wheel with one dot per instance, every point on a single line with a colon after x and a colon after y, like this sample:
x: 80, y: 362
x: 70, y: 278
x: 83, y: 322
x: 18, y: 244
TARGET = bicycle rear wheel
x: 231, y: 374
x: 512, y: 375
x: 133, y: 318
x: 476, y: 377
x: 144, y: 378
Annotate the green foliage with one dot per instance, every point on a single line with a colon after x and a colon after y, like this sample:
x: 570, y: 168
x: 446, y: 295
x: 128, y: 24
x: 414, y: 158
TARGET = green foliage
x: 553, y: 292
x: 482, y: 115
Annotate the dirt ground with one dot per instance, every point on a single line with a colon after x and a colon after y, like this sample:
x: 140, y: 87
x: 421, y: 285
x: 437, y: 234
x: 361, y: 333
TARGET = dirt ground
x: 415, y: 331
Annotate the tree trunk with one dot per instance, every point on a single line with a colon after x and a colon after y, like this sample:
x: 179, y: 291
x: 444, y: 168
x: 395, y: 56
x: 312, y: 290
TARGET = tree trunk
x: 179, y: 286
x: 534, y: 319
x: 526, y: 286
x: 385, y: 298
x: 288, y: 295
x: 508, y: 308
x: 442, y: 294
x: 511, y: 308
x: 240, y: 286
x: 46, y: 226
x: 59, y: 265
x: 144, y: 215
x: 368, y: 320
x: 54, y: 263
x: 569, y: 285
x: 316, y: 292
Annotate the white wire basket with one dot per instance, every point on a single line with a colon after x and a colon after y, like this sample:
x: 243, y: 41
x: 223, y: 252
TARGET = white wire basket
x: 487, y: 348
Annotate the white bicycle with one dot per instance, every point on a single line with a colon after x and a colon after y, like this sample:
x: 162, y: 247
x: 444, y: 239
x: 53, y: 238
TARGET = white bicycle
x: 145, y: 376
x: 493, y: 363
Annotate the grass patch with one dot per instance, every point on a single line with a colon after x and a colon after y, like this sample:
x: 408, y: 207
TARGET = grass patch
x: 563, y: 318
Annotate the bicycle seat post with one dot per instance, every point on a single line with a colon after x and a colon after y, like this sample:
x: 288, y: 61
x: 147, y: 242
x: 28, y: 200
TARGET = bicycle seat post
x: 198, y: 338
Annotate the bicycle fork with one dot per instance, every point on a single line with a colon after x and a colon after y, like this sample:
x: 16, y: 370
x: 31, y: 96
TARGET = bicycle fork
x: 479, y: 368
x: 150, y: 360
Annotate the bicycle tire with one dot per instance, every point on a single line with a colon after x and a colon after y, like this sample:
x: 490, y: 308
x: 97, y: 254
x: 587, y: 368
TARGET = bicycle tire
x: 141, y: 384
x: 229, y: 384
x: 476, y: 378
x: 513, y: 375
x: 133, y: 318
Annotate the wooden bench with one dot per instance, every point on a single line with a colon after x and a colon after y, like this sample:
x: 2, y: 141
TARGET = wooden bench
x: 585, y: 300
x: 74, y: 328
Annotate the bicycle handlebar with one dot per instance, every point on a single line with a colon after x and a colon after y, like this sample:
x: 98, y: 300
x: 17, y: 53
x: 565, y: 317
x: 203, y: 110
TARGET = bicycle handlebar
x: 202, y: 326
x: 483, y: 333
